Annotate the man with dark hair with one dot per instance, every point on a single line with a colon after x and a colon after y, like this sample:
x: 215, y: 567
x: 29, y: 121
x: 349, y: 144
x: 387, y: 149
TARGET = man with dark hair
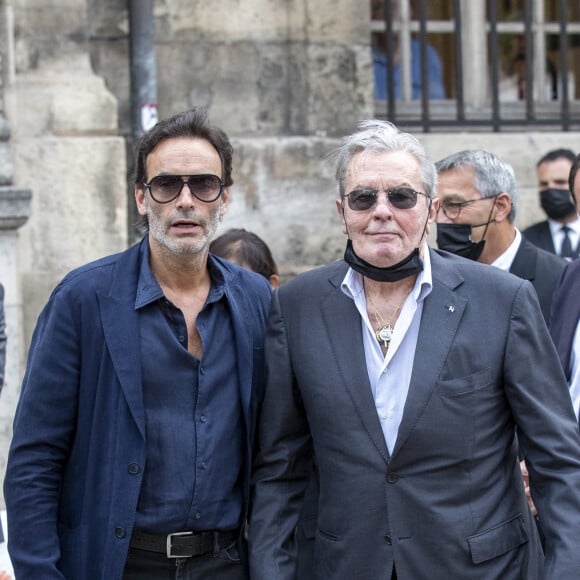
x: 478, y: 203
x: 249, y: 250
x: 560, y: 233
x: 133, y: 433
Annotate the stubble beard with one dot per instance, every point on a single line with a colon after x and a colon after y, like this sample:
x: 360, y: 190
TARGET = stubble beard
x: 158, y: 230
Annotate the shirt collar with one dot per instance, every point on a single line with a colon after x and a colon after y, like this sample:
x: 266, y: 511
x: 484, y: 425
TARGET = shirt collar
x: 352, y: 284
x: 504, y: 261
x: 556, y: 227
x: 148, y: 289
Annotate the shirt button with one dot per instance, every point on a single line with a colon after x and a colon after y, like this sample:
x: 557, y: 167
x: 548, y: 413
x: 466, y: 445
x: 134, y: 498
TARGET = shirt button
x: 203, y: 418
x: 197, y: 516
x: 181, y: 338
x: 203, y: 465
x: 133, y: 468
x: 120, y: 533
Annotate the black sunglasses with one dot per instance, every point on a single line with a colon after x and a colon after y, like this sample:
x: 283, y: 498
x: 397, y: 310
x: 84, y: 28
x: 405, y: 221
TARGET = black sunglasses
x: 165, y: 188
x: 399, y: 198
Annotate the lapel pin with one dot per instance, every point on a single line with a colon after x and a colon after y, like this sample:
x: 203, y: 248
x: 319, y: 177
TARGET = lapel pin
x: 452, y: 309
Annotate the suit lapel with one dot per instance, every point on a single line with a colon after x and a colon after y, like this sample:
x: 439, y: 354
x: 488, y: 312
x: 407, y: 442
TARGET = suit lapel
x: 524, y: 264
x: 442, y: 313
x: 547, y: 241
x: 121, y: 330
x: 566, y: 315
x: 343, y: 327
x: 244, y: 348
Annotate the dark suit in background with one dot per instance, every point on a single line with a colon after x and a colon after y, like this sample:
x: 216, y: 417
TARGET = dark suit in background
x: 566, y: 313
x: 555, y: 184
x: 542, y: 269
x: 541, y: 236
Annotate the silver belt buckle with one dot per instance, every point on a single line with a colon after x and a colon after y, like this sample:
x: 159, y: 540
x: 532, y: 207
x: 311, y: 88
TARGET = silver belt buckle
x: 170, y: 544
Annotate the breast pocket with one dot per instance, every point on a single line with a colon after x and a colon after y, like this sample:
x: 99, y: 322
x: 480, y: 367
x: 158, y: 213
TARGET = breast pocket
x: 461, y: 386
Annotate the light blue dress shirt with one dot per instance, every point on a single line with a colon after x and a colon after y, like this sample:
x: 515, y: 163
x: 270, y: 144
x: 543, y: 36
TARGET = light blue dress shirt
x: 390, y: 374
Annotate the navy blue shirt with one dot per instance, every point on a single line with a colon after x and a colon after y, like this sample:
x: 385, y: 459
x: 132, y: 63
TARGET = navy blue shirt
x: 195, y: 429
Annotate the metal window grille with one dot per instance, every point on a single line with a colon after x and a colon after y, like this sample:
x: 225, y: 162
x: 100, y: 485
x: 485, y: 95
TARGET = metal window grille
x: 475, y: 34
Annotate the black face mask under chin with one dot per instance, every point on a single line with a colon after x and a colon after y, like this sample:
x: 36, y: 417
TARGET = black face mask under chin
x: 410, y: 266
x: 456, y: 238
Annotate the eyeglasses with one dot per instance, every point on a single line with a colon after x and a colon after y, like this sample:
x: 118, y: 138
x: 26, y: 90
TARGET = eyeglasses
x: 452, y: 209
x: 399, y: 198
x: 166, y: 188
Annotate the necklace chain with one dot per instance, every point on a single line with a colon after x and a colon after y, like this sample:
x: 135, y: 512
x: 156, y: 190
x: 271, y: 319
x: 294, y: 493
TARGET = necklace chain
x: 384, y: 333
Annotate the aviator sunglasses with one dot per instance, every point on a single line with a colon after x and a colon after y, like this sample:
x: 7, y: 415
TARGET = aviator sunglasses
x: 399, y: 198
x: 165, y: 188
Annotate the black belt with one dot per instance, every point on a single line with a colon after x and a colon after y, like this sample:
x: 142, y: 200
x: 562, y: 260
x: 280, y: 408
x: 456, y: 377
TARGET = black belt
x: 183, y: 544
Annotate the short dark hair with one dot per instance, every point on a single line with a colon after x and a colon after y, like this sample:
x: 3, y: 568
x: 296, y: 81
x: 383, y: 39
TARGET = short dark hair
x: 573, y: 172
x: 191, y: 123
x: 557, y: 154
x: 245, y: 248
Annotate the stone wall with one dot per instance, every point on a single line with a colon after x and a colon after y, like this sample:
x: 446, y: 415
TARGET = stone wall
x: 263, y: 67
x: 64, y: 147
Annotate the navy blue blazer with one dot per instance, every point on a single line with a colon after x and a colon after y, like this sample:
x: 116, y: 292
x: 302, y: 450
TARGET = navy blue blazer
x: 76, y: 461
x: 566, y: 313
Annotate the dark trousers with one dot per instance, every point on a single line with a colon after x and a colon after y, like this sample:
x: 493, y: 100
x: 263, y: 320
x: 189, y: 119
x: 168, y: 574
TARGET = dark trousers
x: 225, y: 564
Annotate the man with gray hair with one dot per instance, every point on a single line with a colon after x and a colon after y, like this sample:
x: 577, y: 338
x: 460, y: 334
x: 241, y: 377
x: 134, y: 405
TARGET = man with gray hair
x: 478, y: 199
x: 401, y: 373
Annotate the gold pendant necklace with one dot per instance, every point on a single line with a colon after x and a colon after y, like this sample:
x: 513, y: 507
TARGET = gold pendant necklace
x: 384, y: 333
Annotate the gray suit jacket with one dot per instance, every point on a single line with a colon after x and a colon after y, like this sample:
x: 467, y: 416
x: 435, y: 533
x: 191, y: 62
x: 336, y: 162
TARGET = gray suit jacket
x: 449, y: 502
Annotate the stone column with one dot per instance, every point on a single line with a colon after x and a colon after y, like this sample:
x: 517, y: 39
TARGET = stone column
x: 15, y: 207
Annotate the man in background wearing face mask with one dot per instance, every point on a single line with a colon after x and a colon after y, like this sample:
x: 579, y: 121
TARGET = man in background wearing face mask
x: 478, y: 198
x: 403, y: 372
x: 560, y: 233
